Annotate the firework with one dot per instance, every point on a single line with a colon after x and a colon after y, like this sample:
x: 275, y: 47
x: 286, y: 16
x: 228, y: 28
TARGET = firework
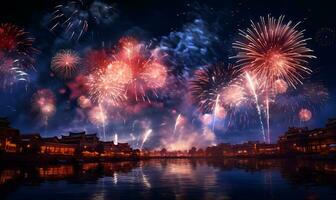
x: 84, y: 102
x: 148, y: 73
x: 272, y: 50
x: 43, y: 102
x: 95, y: 59
x: 252, y: 84
x: 233, y: 95
x: 154, y: 75
x: 97, y: 116
x: 115, y: 139
x: 108, y: 85
x: 305, y: 115
x: 72, y: 18
x: 280, y: 86
x: 15, y: 40
x: 16, y: 55
x: 143, y: 71
x: 65, y: 63
x: 11, y: 72
x: 145, y: 137
x: 177, y: 122
x: 311, y: 95
x: 207, y: 85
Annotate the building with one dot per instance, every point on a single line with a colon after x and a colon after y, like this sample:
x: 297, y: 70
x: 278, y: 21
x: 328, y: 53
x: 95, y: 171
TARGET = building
x: 52, y: 146
x: 305, y: 141
x: 9, y: 137
x: 109, y: 149
x: 87, y: 144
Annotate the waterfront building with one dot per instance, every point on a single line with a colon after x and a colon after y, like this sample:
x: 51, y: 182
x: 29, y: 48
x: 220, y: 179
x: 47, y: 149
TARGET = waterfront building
x: 305, y: 141
x: 110, y: 149
x: 52, y: 146
x: 9, y: 137
x: 86, y: 143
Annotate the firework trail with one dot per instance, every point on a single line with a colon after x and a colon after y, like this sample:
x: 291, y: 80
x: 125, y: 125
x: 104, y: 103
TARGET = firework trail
x: 101, y: 111
x: 268, y: 120
x: 145, y: 138
x: 177, y: 121
x: 215, y: 110
x: 253, y: 90
x: 115, y: 139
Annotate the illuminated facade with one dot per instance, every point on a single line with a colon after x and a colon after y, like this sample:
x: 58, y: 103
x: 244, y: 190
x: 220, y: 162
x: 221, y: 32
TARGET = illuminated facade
x: 303, y: 140
x: 9, y: 137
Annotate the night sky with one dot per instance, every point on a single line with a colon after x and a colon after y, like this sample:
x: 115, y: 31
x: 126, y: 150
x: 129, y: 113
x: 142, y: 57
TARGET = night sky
x: 191, y: 35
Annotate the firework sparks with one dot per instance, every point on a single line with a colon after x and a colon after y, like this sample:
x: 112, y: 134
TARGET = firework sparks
x: 115, y: 139
x: 16, y: 55
x: 43, y: 102
x: 280, y: 86
x: 97, y: 116
x: 154, y: 75
x: 272, y: 50
x: 207, y: 85
x: 65, y: 63
x: 73, y: 18
x: 177, y: 122
x: 145, y: 137
x: 253, y: 89
x: 305, y: 115
x: 215, y: 112
x: 84, y: 102
x: 15, y: 40
x: 11, y: 72
x: 108, y: 85
x: 131, y: 71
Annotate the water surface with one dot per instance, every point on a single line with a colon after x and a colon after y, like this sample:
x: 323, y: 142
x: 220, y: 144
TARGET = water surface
x: 173, y: 179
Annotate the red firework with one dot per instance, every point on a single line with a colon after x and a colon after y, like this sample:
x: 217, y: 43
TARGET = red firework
x: 96, y: 59
x: 16, y: 53
x: 305, y: 115
x: 43, y: 102
x: 15, y: 40
x: 129, y: 73
x: 64, y: 64
x: 272, y: 50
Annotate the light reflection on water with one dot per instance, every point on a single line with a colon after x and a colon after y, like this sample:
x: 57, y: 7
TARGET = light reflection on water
x: 173, y: 179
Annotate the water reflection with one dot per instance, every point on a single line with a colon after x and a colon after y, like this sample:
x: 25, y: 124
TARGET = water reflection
x: 173, y: 179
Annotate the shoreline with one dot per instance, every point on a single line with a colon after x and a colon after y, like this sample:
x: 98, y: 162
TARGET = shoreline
x: 52, y: 159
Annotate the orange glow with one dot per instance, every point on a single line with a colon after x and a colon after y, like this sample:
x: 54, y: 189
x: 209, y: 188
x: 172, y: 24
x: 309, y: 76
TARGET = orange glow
x: 305, y: 115
x: 154, y: 75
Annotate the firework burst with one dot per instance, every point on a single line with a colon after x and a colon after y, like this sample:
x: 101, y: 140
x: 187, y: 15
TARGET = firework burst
x: 272, y: 50
x: 65, y: 63
x: 207, y: 84
x: 305, y: 115
x: 97, y: 116
x: 72, y: 18
x: 16, y: 55
x: 135, y: 72
x: 109, y: 85
x: 15, y: 40
x: 43, y: 102
x: 11, y: 72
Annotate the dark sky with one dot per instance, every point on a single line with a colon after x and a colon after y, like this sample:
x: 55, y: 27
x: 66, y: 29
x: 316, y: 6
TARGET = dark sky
x: 155, y: 21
